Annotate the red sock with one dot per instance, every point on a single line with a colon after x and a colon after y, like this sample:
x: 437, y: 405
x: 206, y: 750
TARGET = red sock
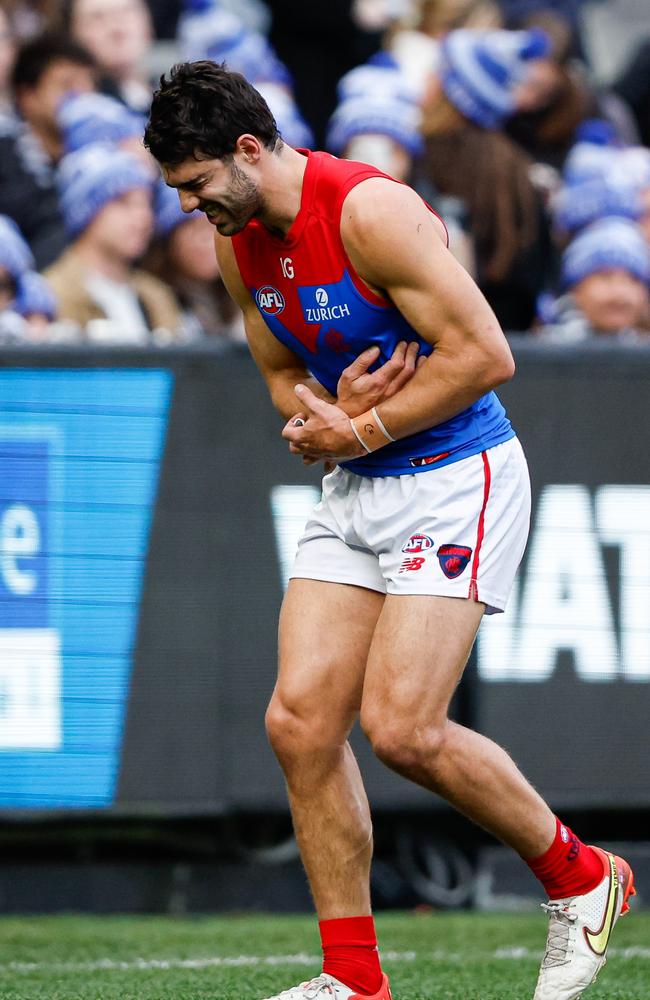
x: 569, y: 867
x: 350, y: 953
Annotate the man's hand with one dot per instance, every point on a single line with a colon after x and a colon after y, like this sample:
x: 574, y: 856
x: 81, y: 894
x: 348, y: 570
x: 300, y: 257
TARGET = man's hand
x: 358, y: 390
x: 326, y: 433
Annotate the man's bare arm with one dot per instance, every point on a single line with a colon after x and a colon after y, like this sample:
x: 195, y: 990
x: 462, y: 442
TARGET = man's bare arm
x: 280, y: 367
x: 397, y: 246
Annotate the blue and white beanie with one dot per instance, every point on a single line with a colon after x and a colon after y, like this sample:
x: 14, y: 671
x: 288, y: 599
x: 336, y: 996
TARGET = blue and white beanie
x: 219, y: 34
x: 34, y: 296
x: 291, y: 125
x: 578, y: 205
x: 254, y: 13
x: 479, y: 70
x: 92, y: 177
x: 608, y: 243
x: 382, y: 76
x: 88, y: 118
x: 375, y: 99
x: 15, y: 255
x: 601, y: 181
x: 167, y: 209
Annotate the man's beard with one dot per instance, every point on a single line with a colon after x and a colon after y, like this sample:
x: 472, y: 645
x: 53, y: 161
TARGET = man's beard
x: 244, y: 203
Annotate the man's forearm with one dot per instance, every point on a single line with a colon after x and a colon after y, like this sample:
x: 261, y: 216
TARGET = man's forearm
x: 440, y: 390
x: 282, y: 384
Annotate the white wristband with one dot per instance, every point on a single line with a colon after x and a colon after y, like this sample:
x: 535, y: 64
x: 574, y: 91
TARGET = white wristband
x: 380, y: 425
x: 358, y: 436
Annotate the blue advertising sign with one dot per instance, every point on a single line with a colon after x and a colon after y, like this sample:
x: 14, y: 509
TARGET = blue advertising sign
x: 79, y: 460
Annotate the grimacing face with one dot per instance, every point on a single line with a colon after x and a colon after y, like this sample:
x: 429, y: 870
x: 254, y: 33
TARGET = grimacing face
x: 222, y: 189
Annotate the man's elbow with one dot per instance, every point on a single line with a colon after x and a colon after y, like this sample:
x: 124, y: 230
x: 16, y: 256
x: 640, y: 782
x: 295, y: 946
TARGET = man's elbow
x: 499, y: 368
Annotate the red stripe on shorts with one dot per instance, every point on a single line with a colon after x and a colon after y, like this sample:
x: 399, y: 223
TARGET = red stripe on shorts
x: 473, y: 586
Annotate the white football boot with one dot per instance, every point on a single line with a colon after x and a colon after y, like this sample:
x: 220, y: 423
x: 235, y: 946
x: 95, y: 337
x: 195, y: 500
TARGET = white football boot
x: 579, y: 932
x: 325, y: 987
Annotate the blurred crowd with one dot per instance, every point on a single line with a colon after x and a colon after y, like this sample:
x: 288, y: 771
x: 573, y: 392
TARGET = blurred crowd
x: 488, y: 108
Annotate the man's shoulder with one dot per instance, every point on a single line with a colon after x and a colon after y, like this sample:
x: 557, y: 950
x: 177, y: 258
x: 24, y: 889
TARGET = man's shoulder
x: 380, y: 204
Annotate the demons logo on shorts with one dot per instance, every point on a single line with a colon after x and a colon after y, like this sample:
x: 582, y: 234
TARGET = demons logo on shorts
x: 270, y: 300
x: 453, y: 559
x: 418, y: 543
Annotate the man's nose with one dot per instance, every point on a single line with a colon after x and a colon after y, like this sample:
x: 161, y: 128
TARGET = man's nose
x: 188, y: 200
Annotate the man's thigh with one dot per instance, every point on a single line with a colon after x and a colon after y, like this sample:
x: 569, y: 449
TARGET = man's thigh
x: 418, y: 653
x: 325, y: 634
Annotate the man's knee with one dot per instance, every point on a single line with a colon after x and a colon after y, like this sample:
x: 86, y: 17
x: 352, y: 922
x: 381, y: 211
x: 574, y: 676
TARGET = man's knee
x: 295, y: 730
x: 401, y: 743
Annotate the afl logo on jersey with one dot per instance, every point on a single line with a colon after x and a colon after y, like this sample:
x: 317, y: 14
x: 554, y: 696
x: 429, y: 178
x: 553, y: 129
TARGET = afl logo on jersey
x: 322, y: 298
x: 418, y: 543
x: 270, y: 300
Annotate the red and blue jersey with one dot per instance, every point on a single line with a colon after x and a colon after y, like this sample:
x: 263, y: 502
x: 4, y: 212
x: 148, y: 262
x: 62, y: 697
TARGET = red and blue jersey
x: 315, y: 303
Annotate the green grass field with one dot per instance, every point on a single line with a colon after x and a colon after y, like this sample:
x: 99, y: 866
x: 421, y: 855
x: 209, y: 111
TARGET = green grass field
x: 456, y: 956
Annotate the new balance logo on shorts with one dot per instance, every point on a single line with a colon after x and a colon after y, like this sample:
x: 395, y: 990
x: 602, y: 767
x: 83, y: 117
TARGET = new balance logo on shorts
x: 411, y: 564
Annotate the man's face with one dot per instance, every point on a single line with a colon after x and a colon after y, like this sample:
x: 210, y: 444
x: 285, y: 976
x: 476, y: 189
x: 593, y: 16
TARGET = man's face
x: 612, y: 300
x: 223, y: 189
x: 116, y: 32
x: 39, y: 104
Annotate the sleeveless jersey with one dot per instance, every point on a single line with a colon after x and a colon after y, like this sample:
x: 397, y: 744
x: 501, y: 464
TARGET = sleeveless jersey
x: 315, y: 303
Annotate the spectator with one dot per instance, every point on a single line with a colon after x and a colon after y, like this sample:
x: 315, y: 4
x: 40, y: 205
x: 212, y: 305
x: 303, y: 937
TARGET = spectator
x: 210, y: 31
x: 106, y: 203
x: 377, y: 120
x: 418, y: 51
x: 183, y: 256
x: 603, y: 180
x: 118, y: 34
x: 85, y: 119
x: 469, y: 158
x: 30, y: 141
x: 558, y: 95
x: 27, y: 304
x: 605, y: 274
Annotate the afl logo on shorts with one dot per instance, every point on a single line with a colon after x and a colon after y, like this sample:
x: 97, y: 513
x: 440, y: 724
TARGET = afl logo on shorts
x: 453, y: 559
x: 418, y: 543
x: 270, y: 300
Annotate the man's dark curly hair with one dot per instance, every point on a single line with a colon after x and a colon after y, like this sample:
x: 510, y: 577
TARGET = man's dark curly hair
x: 201, y: 111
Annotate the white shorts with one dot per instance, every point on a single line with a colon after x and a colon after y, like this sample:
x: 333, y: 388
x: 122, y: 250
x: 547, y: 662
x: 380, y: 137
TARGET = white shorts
x: 457, y: 531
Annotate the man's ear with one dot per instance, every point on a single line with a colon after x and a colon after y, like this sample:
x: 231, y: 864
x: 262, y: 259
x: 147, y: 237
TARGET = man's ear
x: 249, y: 148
